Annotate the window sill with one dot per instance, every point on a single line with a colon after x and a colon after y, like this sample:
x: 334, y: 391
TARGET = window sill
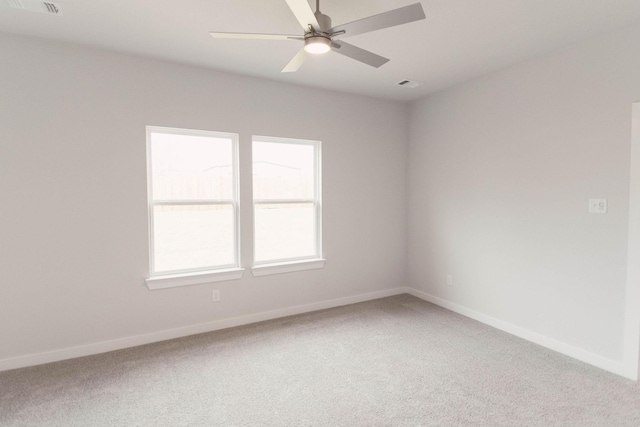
x: 197, y: 278
x: 287, y: 267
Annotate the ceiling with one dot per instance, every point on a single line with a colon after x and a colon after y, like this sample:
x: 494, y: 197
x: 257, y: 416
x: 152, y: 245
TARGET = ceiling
x: 460, y: 39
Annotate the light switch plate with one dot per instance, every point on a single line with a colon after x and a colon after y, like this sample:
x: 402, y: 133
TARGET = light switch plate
x: 598, y: 206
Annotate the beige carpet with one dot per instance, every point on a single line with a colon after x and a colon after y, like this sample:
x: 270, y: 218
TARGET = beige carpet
x: 397, y: 361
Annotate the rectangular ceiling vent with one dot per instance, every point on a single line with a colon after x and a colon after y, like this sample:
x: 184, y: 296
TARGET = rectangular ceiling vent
x: 49, y: 7
x: 409, y: 83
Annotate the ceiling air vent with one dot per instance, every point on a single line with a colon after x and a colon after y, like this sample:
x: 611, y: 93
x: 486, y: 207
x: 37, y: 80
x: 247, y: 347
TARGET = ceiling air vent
x: 50, y: 7
x: 409, y: 83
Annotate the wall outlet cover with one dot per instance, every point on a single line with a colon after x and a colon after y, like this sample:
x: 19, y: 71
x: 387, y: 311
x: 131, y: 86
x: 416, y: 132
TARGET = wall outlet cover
x: 598, y: 206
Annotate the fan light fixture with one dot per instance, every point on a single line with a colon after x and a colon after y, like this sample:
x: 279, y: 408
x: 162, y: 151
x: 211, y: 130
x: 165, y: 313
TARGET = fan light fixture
x: 317, y: 45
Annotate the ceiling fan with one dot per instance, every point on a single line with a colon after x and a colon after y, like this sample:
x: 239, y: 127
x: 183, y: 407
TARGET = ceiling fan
x: 320, y: 37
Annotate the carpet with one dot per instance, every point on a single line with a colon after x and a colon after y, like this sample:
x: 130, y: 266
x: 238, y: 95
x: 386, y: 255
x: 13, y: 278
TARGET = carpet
x: 396, y: 361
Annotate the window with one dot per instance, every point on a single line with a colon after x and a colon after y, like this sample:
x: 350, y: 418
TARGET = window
x: 287, y: 205
x: 193, y: 206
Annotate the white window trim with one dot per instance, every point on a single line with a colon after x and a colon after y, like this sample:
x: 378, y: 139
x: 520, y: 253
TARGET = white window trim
x: 278, y: 266
x: 194, y: 278
x: 209, y: 274
x: 287, y: 267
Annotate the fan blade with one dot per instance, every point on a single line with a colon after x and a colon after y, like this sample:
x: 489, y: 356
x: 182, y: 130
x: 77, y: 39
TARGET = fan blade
x: 304, y: 14
x: 358, y: 54
x: 400, y: 16
x: 254, y: 36
x: 296, y: 61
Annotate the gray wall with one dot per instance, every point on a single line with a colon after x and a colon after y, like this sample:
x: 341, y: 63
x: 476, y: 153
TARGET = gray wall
x: 73, y: 220
x: 500, y: 173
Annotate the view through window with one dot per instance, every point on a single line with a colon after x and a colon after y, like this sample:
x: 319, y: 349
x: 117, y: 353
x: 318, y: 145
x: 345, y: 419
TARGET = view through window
x: 193, y: 200
x: 286, y: 192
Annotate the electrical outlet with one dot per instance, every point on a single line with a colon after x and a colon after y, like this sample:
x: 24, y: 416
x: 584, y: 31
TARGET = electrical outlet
x: 598, y: 206
x: 449, y: 280
x: 215, y: 295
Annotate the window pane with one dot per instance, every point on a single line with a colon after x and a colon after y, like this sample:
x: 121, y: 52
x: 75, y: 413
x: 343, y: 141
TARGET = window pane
x: 283, y: 171
x: 284, y: 231
x: 193, y: 237
x: 191, y: 167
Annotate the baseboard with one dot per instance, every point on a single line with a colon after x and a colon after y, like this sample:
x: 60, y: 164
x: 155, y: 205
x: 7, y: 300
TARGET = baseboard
x: 550, y: 343
x: 133, y: 341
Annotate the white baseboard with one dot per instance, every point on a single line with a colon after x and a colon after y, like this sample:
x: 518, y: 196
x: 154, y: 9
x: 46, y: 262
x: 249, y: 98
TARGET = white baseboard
x: 550, y: 343
x: 133, y: 341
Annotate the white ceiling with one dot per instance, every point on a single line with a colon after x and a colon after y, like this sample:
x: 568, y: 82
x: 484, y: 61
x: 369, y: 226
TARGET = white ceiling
x: 459, y: 40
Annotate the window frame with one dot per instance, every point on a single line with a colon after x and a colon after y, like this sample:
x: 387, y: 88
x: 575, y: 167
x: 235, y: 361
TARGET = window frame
x: 206, y: 274
x: 283, y: 265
